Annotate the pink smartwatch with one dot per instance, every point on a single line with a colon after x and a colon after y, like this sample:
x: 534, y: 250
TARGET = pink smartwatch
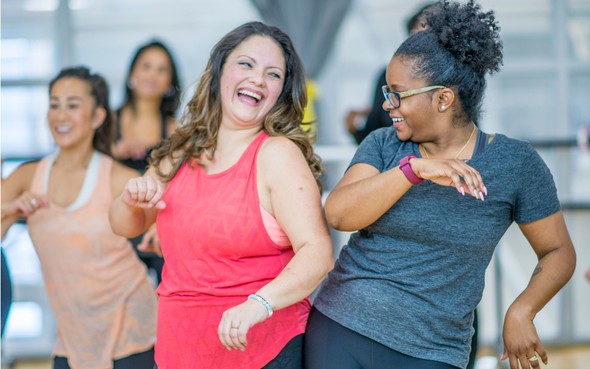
x: 406, y: 169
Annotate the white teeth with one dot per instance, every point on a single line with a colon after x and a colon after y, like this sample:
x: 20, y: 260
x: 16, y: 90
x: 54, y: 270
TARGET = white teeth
x: 251, y: 94
x: 62, y: 129
x: 395, y: 120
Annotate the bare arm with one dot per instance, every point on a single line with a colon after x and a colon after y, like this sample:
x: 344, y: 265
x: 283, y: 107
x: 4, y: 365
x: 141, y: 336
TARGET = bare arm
x: 288, y: 190
x: 295, y: 202
x: 135, y: 209
x: 557, y: 259
x: 364, y: 194
x: 17, y: 200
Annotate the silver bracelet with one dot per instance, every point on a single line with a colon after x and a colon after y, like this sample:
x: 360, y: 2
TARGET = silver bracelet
x: 263, y: 301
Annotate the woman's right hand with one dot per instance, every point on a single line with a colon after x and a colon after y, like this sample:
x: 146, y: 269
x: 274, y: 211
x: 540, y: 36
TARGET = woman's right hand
x: 453, y: 173
x: 125, y: 149
x: 144, y: 192
x: 25, y: 205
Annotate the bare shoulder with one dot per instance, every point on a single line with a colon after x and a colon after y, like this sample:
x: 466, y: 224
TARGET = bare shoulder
x: 280, y: 161
x: 279, y: 149
x: 120, y: 174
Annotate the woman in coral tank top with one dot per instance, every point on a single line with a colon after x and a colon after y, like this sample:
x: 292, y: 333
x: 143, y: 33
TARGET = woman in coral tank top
x: 234, y: 193
x: 103, y: 303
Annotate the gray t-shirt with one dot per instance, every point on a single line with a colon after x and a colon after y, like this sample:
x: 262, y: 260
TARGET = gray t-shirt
x: 412, y: 279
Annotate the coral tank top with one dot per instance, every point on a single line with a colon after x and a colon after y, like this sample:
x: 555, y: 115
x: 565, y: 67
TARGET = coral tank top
x: 217, y: 252
x: 104, y: 305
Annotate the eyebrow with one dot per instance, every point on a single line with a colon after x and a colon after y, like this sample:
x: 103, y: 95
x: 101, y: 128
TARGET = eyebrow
x: 70, y: 98
x: 254, y: 60
x: 395, y: 87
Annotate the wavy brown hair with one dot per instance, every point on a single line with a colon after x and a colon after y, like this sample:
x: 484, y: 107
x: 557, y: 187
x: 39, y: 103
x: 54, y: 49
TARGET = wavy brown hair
x: 202, y: 116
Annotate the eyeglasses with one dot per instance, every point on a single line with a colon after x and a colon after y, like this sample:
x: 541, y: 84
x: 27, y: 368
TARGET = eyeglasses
x: 395, y: 98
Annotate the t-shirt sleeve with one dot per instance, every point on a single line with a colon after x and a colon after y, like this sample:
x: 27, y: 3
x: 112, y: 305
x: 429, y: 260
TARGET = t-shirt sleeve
x: 537, y: 194
x: 369, y: 151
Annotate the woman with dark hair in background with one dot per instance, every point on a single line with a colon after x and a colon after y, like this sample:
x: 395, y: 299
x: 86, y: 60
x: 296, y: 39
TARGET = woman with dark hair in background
x: 103, y: 303
x: 404, y: 288
x: 152, y: 95
x: 236, y: 199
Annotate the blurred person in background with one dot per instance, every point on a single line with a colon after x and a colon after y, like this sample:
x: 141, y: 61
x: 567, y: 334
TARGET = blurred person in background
x: 147, y: 116
x: 103, y: 303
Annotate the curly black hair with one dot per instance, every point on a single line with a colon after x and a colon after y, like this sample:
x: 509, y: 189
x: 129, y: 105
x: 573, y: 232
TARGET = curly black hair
x: 460, y: 46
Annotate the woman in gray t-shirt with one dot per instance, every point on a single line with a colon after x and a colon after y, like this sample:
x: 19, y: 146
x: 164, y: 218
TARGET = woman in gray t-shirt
x: 429, y: 199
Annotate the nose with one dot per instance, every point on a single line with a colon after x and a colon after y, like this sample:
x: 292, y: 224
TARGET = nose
x: 387, y: 105
x: 60, y: 113
x: 257, y: 78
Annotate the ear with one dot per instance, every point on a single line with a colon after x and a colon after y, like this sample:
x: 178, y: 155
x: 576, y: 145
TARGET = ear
x: 98, y: 117
x: 446, y: 97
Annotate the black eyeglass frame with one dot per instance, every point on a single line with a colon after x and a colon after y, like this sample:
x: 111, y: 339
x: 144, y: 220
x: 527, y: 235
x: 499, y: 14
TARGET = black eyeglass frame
x: 399, y: 95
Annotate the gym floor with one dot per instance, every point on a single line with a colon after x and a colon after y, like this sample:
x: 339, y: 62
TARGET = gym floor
x: 563, y: 357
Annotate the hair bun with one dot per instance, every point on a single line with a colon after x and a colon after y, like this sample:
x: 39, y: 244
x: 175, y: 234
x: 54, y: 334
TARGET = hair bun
x: 467, y: 33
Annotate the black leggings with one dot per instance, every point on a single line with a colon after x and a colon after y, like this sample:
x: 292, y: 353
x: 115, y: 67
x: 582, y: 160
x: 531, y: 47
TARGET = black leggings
x: 142, y: 360
x: 290, y: 357
x: 329, y: 345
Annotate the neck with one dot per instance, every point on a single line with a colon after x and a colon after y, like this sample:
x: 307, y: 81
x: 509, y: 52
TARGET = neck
x: 451, y: 148
x: 74, y: 159
x: 146, y: 106
x: 228, y: 139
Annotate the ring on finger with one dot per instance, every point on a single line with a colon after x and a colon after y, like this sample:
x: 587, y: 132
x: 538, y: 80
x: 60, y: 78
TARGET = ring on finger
x: 34, y: 202
x: 533, y: 358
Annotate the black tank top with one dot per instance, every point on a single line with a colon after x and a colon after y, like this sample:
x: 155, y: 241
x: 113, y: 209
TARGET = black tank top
x: 138, y: 164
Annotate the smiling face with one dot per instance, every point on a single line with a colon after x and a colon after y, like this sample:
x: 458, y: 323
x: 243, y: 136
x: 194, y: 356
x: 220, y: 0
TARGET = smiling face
x: 73, y: 116
x: 251, y: 81
x: 415, y: 115
x: 151, y: 75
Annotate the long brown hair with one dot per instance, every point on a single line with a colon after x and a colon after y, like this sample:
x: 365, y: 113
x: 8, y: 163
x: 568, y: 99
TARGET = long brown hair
x: 202, y: 117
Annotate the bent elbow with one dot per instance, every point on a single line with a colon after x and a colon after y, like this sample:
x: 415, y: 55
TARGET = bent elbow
x: 334, y: 217
x: 339, y: 223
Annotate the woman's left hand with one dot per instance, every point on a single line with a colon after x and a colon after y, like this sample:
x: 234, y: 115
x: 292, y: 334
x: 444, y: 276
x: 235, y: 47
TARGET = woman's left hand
x: 237, y: 321
x: 150, y: 242
x: 453, y: 173
x: 522, y: 346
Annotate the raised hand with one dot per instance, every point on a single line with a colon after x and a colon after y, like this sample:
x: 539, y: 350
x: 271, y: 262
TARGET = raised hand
x: 150, y: 242
x: 144, y: 192
x: 26, y: 204
x: 453, y: 173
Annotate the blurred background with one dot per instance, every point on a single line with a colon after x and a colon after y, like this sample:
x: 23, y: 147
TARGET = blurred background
x: 541, y: 94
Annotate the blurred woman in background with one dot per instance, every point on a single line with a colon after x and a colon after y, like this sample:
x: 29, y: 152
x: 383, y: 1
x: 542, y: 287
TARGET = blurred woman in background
x: 152, y: 95
x: 104, y: 305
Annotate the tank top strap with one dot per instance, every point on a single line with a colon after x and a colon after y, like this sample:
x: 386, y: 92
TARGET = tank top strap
x: 96, y: 180
x: 38, y: 185
x: 247, y: 163
x: 118, y: 134
x: 164, y: 125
